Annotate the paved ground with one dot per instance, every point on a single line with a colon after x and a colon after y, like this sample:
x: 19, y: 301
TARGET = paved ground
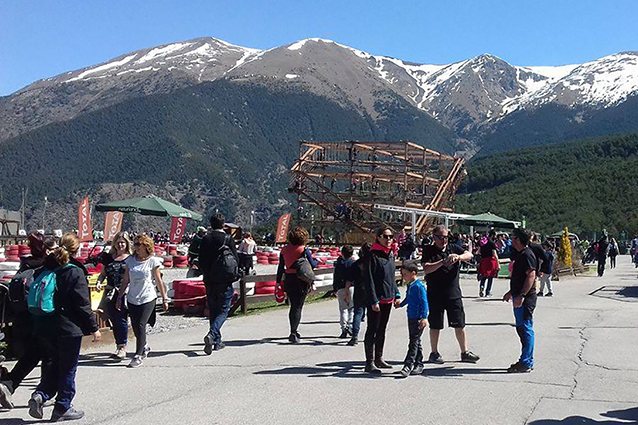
x: 586, y: 369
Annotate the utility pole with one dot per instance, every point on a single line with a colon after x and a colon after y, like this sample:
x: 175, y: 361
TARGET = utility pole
x: 44, y: 213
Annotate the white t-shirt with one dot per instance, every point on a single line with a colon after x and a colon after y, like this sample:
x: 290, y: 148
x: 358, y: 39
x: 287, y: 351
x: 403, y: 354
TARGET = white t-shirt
x: 141, y: 288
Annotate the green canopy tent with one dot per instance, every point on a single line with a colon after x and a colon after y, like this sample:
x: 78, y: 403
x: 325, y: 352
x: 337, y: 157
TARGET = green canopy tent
x: 149, y: 205
x: 488, y: 220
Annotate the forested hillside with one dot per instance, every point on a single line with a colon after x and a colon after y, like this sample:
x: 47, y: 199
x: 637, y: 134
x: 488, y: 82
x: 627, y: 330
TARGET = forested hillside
x: 224, y: 145
x: 586, y: 185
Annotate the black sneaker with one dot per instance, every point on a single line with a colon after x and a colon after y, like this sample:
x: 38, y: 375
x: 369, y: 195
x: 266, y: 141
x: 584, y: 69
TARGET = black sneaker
x: 70, y: 415
x: 344, y: 334
x: 219, y: 346
x: 354, y: 341
x: 208, y: 344
x: 382, y: 364
x: 293, y: 338
x: 481, y: 293
x: 550, y: 294
x: 35, y: 406
x: 405, y: 372
x: 435, y: 358
x: 469, y: 357
x: 519, y: 367
x: 371, y: 368
x: 418, y: 370
x: 540, y: 294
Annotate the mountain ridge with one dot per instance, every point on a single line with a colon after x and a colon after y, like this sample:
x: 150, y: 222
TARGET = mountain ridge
x: 470, y: 97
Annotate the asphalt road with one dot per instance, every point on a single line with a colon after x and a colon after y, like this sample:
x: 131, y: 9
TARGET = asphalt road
x: 586, y: 369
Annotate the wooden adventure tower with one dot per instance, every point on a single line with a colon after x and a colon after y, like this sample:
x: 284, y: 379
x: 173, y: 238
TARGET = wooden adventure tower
x: 337, y: 183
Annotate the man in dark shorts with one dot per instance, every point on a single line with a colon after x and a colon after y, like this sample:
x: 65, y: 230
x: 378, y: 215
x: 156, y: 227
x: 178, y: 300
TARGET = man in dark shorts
x: 523, y: 295
x: 441, y: 264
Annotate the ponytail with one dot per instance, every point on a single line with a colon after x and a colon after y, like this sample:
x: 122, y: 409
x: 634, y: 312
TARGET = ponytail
x: 69, y: 245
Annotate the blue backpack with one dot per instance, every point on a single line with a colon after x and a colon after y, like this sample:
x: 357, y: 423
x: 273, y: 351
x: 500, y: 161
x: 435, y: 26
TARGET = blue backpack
x: 40, y: 298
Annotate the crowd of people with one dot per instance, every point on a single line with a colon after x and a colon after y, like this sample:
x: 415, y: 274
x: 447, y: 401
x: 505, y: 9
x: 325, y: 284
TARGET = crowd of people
x: 366, y: 289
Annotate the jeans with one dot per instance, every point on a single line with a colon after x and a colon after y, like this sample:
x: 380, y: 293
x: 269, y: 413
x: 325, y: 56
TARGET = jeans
x: 140, y: 315
x: 357, y: 318
x: 296, y: 290
x: 489, y: 284
x: 375, y: 334
x: 415, y: 351
x: 525, y: 331
x: 219, y: 299
x: 60, y: 377
x: 119, y: 321
x: 346, y: 308
x: 546, y: 280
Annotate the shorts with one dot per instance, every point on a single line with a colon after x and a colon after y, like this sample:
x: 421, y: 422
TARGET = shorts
x: 454, y: 310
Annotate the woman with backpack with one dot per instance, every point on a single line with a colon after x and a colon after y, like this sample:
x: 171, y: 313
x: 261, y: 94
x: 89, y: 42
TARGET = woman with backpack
x: 142, y: 268
x: 381, y: 292
x: 613, y: 253
x: 113, y: 272
x: 61, y: 317
x: 295, y: 287
x: 23, y: 341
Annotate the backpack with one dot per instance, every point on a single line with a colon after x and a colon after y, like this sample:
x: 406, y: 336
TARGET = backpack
x: 19, y: 288
x: 225, y: 269
x: 40, y: 298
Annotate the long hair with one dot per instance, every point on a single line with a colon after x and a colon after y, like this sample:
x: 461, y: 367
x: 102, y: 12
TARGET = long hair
x: 123, y: 236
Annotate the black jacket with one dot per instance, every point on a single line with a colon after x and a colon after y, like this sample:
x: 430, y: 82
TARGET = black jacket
x: 379, y: 278
x: 209, y: 251
x: 73, y: 316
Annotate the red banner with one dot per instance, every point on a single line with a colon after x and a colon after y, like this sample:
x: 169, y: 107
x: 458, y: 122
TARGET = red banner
x: 177, y: 229
x: 112, y: 225
x: 282, y: 228
x: 85, y: 233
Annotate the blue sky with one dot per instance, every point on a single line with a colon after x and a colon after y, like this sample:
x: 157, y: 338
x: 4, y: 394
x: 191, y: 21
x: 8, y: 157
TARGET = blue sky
x: 43, y: 38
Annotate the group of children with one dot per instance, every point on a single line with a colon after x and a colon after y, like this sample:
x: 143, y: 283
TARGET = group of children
x: 348, y: 290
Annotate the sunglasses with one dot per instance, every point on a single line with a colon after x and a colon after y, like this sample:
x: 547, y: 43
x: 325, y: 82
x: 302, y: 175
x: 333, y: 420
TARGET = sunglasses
x: 387, y: 236
x: 440, y: 237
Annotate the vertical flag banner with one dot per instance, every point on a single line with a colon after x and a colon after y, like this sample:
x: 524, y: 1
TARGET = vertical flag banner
x: 112, y: 225
x: 282, y: 228
x: 85, y: 233
x: 177, y: 229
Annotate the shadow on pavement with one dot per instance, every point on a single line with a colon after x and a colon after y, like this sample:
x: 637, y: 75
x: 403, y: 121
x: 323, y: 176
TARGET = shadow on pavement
x: 314, y: 340
x: 335, y: 370
x: 491, y: 324
x: 449, y: 371
x: 627, y: 416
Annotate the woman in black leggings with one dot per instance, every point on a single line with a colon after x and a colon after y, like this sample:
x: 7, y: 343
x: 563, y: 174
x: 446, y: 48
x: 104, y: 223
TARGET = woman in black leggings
x: 295, y: 288
x: 381, y: 292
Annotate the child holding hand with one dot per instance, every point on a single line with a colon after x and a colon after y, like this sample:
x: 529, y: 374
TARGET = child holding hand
x: 417, y: 301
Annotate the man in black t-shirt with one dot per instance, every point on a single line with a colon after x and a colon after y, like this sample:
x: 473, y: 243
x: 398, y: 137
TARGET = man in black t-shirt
x: 603, y: 252
x: 441, y: 264
x: 522, y: 293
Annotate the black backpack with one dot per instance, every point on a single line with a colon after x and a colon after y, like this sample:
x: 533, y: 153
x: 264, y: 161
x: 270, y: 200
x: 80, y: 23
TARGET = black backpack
x: 19, y: 288
x: 225, y: 269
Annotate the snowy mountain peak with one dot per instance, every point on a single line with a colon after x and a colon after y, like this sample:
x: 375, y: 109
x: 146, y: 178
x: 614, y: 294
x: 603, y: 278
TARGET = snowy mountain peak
x: 196, y: 53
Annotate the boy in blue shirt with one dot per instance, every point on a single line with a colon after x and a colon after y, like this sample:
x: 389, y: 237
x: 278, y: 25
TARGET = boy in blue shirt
x: 417, y: 301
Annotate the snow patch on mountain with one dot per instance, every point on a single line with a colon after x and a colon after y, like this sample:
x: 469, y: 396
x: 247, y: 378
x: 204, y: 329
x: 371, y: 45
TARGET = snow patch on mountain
x: 101, y: 68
